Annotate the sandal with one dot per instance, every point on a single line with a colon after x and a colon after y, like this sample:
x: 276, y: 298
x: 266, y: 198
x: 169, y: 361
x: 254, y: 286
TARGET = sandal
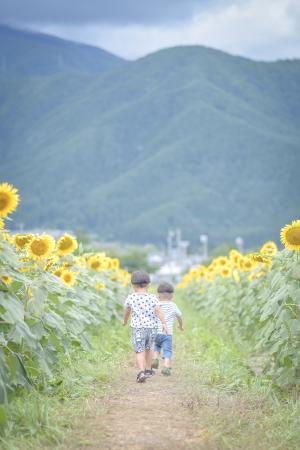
x: 149, y: 373
x: 166, y: 371
x: 141, y: 377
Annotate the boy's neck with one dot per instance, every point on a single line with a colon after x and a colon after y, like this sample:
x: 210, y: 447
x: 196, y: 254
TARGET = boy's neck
x: 165, y: 298
x: 140, y: 290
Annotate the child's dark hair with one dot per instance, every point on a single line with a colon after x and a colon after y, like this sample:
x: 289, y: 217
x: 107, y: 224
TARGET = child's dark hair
x: 165, y: 288
x: 140, y: 278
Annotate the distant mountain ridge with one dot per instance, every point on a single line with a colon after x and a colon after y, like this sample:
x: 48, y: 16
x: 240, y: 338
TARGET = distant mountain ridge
x: 186, y: 137
x: 27, y: 53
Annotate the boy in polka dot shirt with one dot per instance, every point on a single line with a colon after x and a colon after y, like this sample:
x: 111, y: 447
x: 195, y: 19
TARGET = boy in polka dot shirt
x: 145, y: 312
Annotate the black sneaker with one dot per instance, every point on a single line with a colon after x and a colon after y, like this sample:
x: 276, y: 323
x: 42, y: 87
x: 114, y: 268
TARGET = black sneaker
x: 149, y: 373
x: 141, y: 377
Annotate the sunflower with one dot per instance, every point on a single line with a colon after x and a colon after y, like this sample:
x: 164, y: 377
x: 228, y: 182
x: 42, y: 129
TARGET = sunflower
x: 258, y: 257
x: 193, y: 272
x: 24, y: 269
x: 6, y: 236
x: 40, y: 247
x: 234, y: 256
x: 201, y: 271
x: 66, y: 244
x: 269, y: 248
x: 210, y: 276
x: 114, y: 263
x: 9, y: 199
x: 58, y: 272
x: 226, y: 271
x: 68, y: 277
x: 245, y: 264
x: 290, y: 235
x: 79, y: 261
x: 1, y: 224
x: 21, y: 240
x: 98, y: 262
x: 53, y: 260
x: 222, y: 261
x: 6, y: 280
x: 255, y: 276
x: 95, y: 262
x: 211, y: 268
x: 248, y: 264
x: 100, y: 286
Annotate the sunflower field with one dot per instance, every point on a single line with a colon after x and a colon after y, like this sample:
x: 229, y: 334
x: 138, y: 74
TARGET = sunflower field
x: 53, y: 298
x: 256, y: 297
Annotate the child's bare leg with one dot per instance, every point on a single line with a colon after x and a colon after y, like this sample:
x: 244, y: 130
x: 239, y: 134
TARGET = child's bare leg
x: 141, y: 361
x: 156, y: 355
x: 167, y: 362
x: 148, y: 358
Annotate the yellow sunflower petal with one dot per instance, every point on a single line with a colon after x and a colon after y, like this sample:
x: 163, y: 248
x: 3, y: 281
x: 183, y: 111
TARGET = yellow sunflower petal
x: 66, y: 244
x: 40, y: 247
x: 9, y: 199
x: 6, y: 280
x: 269, y: 248
x: 21, y: 240
x: 290, y: 236
x: 68, y: 277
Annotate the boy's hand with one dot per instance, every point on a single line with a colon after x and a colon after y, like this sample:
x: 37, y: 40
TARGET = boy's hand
x: 165, y: 328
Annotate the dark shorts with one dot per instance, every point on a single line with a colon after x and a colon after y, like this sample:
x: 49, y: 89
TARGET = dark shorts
x: 164, y: 341
x: 143, y: 338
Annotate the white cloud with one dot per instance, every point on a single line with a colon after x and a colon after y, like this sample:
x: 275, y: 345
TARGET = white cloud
x: 259, y: 29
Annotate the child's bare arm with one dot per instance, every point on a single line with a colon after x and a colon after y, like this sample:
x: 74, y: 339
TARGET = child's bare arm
x: 126, y: 315
x: 180, y: 322
x: 161, y: 317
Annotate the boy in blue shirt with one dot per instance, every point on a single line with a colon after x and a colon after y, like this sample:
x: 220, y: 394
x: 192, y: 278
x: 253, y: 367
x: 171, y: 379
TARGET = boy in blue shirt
x: 164, y: 341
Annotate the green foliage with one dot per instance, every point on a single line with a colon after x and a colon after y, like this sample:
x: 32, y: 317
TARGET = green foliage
x: 44, y: 417
x: 279, y: 311
x: 264, y: 312
x: 230, y: 398
x: 136, y: 258
x: 188, y: 137
x: 42, y: 320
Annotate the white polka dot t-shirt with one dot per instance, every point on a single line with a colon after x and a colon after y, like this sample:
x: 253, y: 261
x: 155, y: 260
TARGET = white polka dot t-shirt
x: 142, y: 310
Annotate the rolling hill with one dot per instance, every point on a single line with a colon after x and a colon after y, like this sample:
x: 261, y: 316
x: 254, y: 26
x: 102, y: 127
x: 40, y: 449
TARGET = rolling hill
x: 186, y: 137
x: 25, y: 53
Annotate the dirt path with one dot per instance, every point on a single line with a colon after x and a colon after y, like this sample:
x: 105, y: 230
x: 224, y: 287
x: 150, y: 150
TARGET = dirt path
x: 153, y: 415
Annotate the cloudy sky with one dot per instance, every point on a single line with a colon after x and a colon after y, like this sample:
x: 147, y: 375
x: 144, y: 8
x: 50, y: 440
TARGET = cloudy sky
x: 259, y: 29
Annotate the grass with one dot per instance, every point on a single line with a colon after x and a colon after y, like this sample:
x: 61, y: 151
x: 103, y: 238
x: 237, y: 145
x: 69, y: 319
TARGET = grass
x: 237, y: 409
x: 43, y: 418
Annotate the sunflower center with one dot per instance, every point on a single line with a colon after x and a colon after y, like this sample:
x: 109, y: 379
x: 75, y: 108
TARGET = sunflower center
x: 95, y: 264
x: 293, y: 236
x: 39, y: 248
x: 4, y: 200
x: 22, y: 241
x: 65, y: 244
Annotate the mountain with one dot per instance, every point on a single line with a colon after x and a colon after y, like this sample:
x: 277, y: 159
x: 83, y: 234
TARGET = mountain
x: 25, y: 53
x: 186, y: 137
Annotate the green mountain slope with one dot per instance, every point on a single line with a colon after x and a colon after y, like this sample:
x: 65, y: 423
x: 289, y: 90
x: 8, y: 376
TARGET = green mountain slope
x: 187, y: 137
x: 24, y: 53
